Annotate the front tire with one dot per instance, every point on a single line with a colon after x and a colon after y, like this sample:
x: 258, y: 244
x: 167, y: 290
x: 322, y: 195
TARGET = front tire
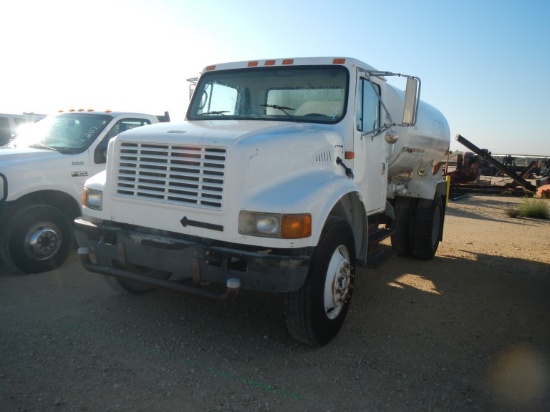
x: 315, y: 313
x: 36, y: 238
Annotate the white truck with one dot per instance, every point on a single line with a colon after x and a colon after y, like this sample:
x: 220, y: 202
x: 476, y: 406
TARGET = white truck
x: 286, y: 174
x: 42, y: 173
x: 9, y: 123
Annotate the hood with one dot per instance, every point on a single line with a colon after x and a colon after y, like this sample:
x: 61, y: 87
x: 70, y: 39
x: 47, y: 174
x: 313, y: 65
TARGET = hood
x: 25, y: 154
x: 216, y: 132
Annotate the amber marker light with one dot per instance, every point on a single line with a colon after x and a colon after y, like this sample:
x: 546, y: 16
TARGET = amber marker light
x: 269, y: 62
x: 288, y: 61
x: 349, y: 155
x: 296, y: 226
x: 210, y: 68
x: 252, y: 64
x: 339, y: 61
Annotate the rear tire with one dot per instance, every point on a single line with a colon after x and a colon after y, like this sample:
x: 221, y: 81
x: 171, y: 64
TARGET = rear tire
x: 428, y: 227
x: 315, y: 313
x: 36, y: 238
x: 401, y: 239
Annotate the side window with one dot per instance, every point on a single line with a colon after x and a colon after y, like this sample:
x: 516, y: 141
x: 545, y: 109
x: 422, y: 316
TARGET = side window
x: 126, y: 124
x: 368, y: 111
x: 5, y: 130
x: 100, y: 154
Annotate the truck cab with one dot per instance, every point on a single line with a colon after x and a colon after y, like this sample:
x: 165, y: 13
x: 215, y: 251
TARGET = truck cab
x: 42, y: 172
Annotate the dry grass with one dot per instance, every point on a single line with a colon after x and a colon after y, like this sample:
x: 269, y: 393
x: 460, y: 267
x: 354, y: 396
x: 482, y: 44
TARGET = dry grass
x: 533, y: 208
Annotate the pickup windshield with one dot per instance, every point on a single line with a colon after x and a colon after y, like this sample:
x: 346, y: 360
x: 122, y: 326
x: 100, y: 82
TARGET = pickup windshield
x: 315, y: 94
x: 69, y: 132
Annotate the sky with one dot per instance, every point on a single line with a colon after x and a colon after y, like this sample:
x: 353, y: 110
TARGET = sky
x: 485, y: 64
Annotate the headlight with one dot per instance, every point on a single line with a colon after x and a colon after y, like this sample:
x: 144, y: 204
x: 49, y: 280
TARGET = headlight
x: 92, y: 199
x: 283, y: 226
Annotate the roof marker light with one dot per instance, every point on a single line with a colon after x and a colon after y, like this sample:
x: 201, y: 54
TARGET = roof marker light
x: 269, y: 63
x: 288, y: 61
x: 339, y: 61
x: 211, y: 67
x: 252, y: 64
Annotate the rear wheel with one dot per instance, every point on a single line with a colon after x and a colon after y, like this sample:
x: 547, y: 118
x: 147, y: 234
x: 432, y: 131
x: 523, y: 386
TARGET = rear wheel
x: 36, y: 238
x: 428, y: 226
x: 315, y: 313
x: 401, y: 239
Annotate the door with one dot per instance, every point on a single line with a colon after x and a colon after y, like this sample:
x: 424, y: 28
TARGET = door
x: 370, y: 143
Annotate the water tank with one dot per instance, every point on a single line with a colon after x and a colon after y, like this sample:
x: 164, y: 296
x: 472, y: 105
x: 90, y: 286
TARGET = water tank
x: 424, y: 143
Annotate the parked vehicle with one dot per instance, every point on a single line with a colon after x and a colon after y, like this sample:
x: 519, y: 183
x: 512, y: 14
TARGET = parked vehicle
x: 42, y: 173
x: 9, y: 123
x: 285, y: 175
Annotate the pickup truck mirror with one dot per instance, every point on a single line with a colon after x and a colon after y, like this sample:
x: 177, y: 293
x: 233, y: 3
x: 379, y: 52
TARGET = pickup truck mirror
x: 410, y: 108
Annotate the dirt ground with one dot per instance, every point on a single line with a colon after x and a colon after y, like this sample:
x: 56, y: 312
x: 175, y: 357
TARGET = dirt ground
x: 466, y: 331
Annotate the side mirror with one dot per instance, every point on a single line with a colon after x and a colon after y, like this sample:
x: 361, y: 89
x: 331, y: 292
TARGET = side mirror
x: 411, y: 101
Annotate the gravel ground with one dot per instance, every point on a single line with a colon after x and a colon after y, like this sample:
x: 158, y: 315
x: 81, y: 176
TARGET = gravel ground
x: 466, y: 331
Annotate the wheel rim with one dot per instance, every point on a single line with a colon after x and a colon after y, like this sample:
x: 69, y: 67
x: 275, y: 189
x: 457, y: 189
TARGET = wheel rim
x: 337, y: 283
x: 43, y: 240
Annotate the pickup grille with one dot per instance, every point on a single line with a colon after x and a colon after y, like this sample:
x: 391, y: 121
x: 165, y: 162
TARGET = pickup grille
x: 187, y: 175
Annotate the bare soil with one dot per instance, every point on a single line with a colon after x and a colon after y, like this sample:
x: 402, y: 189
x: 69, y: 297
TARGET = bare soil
x: 466, y: 331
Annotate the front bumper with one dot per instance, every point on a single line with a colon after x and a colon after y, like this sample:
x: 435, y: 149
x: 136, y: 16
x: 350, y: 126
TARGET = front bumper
x: 197, y: 260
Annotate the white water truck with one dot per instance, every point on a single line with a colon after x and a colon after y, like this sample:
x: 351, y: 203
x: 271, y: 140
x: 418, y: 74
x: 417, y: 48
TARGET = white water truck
x: 284, y: 177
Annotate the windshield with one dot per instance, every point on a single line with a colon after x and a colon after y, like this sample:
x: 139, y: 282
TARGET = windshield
x: 299, y: 93
x: 69, y: 132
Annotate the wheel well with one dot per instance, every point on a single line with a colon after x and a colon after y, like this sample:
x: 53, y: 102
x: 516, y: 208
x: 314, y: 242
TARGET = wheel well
x: 60, y: 200
x: 350, y: 208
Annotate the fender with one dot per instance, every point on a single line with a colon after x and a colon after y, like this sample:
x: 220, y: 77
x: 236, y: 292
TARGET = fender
x: 316, y: 192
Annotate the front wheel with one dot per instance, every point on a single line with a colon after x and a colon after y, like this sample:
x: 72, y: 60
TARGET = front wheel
x: 36, y: 238
x: 315, y: 313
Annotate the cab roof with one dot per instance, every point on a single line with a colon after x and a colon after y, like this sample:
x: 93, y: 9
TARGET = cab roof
x: 294, y: 61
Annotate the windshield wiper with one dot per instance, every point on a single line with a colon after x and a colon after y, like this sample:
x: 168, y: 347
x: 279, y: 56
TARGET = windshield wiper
x: 222, y: 112
x: 42, y: 146
x: 281, y: 108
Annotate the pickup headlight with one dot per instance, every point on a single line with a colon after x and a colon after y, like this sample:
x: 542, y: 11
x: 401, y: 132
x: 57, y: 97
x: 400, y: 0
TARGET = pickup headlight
x: 92, y: 199
x: 284, y: 226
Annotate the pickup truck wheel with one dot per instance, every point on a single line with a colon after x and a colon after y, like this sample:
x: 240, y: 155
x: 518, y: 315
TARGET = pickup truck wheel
x: 36, y: 238
x: 315, y: 313
x: 428, y: 224
x: 401, y: 239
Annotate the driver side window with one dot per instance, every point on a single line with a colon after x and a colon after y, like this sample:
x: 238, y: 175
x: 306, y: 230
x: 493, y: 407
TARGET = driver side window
x: 368, y: 111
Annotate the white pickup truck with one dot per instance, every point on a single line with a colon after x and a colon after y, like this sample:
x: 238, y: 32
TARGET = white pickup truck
x: 42, y: 173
